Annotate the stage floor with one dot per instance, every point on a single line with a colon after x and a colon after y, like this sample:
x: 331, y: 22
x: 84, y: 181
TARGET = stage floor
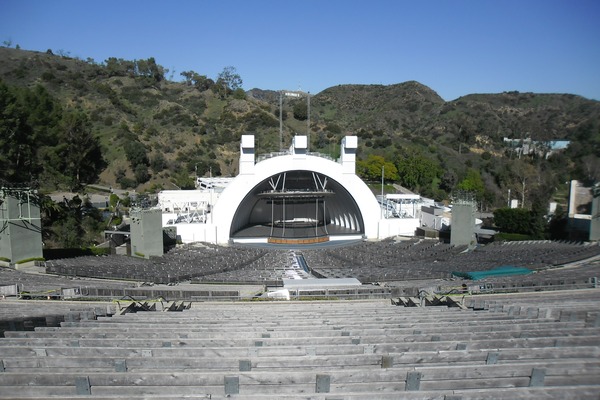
x: 264, y: 231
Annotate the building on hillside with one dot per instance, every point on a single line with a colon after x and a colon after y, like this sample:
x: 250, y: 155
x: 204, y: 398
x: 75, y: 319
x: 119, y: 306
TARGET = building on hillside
x: 541, y: 148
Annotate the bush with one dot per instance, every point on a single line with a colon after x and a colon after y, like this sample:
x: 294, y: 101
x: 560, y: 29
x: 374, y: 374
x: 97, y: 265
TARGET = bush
x: 513, y: 220
x: 512, y: 237
x: 48, y: 76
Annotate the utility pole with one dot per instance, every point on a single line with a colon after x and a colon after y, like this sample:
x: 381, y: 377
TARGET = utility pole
x: 308, y: 120
x: 281, y: 120
x: 382, y: 175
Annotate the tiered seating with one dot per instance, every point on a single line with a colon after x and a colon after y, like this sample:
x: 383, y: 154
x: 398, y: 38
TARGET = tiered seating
x: 26, y: 315
x: 396, y: 261
x: 271, y: 267
x: 367, y: 261
x: 39, y: 284
x: 317, y: 350
x: 178, y: 265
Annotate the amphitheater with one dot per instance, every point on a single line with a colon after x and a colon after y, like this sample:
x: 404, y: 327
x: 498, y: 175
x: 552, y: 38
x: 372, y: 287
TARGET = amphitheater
x: 196, y: 323
x: 301, y: 288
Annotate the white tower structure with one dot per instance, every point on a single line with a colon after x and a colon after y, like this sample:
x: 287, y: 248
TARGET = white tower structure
x: 246, y: 155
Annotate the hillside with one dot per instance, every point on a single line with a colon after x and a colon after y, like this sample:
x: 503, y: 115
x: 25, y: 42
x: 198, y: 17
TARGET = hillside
x: 155, y: 132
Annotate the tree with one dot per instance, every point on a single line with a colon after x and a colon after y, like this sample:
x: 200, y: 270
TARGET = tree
x: 239, y: 94
x: 301, y: 111
x: 512, y: 220
x: 229, y: 78
x: 17, y: 148
x: 537, y: 222
x: 158, y: 163
x: 473, y: 183
x: 200, y: 82
x: 527, y: 176
x: 371, y: 169
x: 75, y: 223
x: 81, y: 154
x: 590, y: 166
x: 141, y: 173
x: 136, y: 153
x: 150, y: 69
x: 184, y: 181
x: 448, y: 181
x: 415, y: 171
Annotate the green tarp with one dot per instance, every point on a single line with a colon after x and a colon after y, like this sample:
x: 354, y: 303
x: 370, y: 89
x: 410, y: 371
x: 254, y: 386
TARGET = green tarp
x: 505, y: 270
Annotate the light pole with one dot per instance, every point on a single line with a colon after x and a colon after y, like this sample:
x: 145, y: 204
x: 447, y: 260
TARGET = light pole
x: 382, y: 174
x: 308, y: 121
x: 281, y: 120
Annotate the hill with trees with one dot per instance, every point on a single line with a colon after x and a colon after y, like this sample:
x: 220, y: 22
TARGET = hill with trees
x: 133, y: 124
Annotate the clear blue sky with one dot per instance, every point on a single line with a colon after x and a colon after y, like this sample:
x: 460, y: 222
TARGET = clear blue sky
x: 455, y: 47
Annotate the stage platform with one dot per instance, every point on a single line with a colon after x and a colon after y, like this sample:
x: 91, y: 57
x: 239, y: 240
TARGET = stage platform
x: 330, y: 283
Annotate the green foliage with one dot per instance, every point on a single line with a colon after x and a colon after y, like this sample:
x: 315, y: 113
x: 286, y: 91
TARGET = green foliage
x: 184, y: 181
x: 158, y: 163
x: 512, y: 220
x: 372, y: 168
x: 537, y: 222
x: 113, y: 200
x: 141, y: 173
x: 512, y: 237
x: 122, y: 179
x: 301, y: 111
x: 71, y: 223
x: 17, y: 144
x: 416, y: 171
x: 260, y: 119
x: 136, y: 153
x: 239, y: 94
x: 181, y: 117
x: 473, y: 183
x: 38, y: 139
x: 200, y: 82
x: 333, y: 129
x: 149, y: 70
x: 81, y: 154
x: 229, y: 78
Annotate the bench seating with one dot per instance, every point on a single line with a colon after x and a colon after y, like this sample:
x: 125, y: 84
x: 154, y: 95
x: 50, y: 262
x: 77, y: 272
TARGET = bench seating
x: 539, y: 348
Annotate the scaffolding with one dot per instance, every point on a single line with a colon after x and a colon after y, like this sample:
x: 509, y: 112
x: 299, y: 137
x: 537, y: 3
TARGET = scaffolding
x: 281, y: 196
x: 27, y: 203
x: 20, y: 223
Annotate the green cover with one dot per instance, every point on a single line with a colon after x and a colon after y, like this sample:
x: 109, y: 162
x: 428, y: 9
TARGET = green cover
x: 505, y: 270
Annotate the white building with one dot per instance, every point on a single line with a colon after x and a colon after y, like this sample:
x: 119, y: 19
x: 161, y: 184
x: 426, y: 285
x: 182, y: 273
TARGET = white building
x: 288, y: 197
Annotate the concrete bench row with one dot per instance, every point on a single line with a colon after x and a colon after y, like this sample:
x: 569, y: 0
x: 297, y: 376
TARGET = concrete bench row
x: 586, y: 336
x: 306, y: 333
x: 145, y: 360
x: 328, y: 350
x: 575, y: 392
x: 368, y: 381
